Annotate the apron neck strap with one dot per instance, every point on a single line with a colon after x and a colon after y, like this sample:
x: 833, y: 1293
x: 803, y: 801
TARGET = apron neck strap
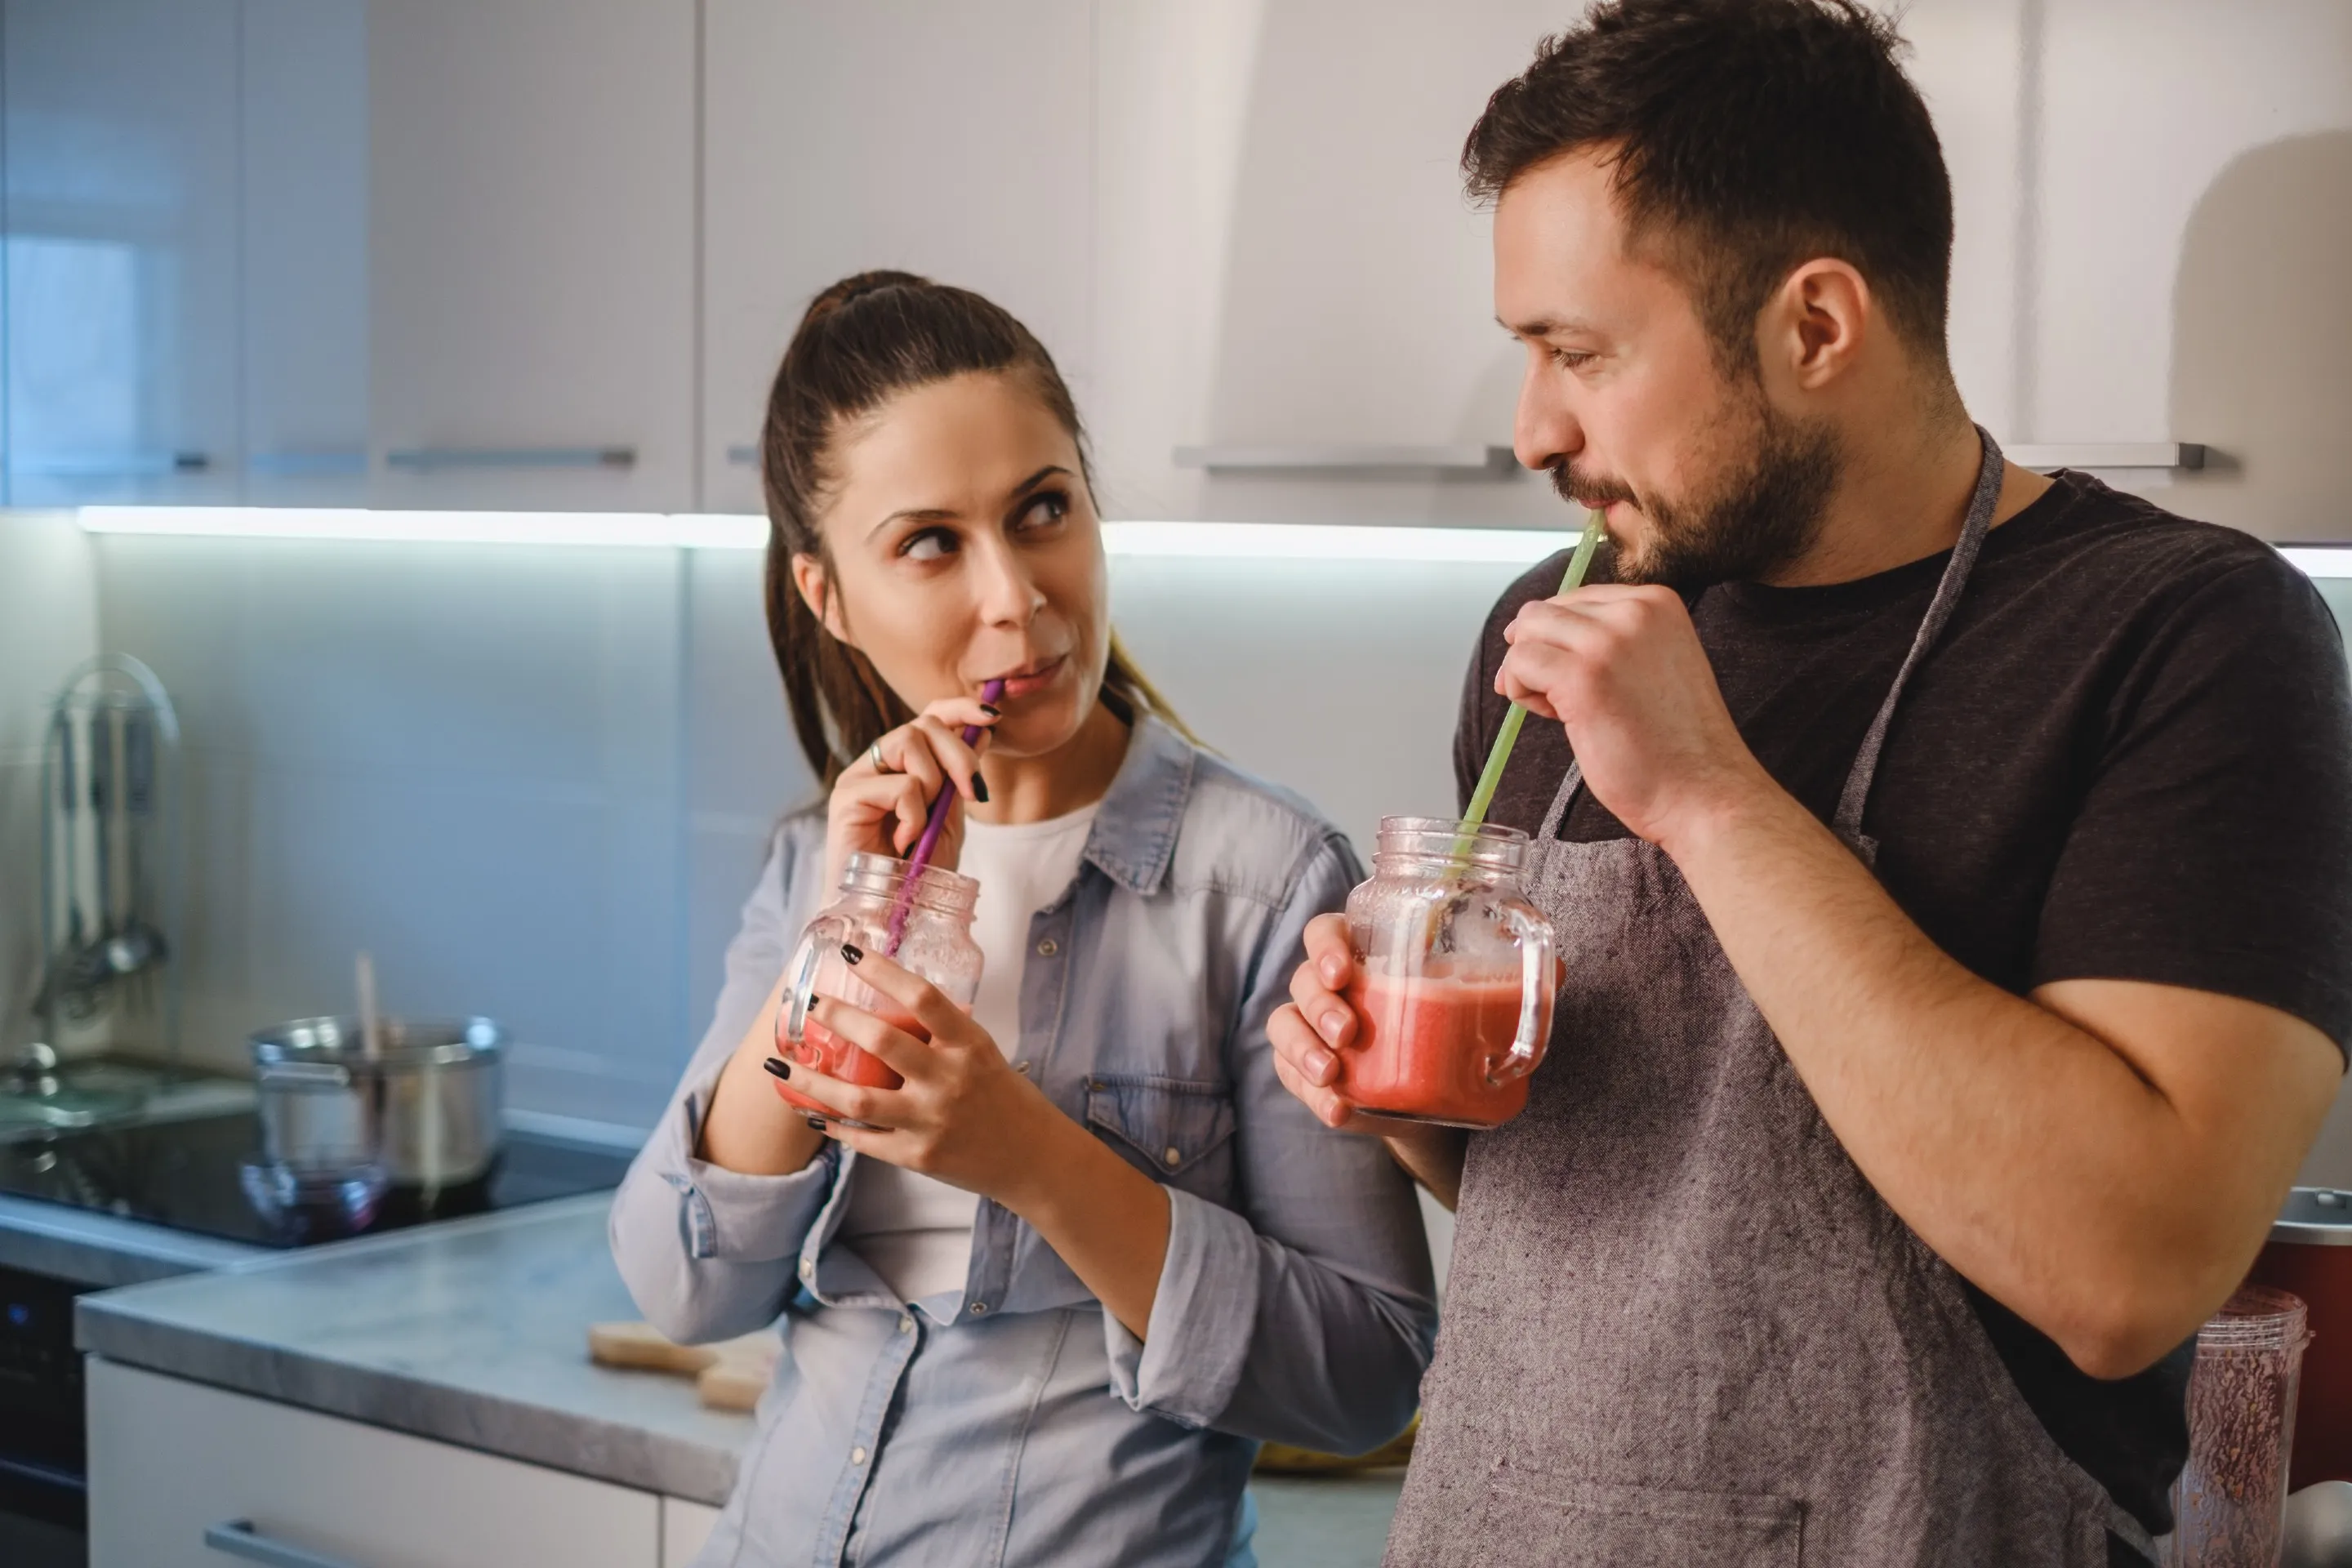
x: 1848, y: 821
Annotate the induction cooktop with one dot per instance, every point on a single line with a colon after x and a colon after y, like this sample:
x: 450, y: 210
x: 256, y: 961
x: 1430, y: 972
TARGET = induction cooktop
x: 191, y: 1174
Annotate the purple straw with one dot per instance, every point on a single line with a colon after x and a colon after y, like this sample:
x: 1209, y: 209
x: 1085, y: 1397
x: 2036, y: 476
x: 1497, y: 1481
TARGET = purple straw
x: 904, y: 904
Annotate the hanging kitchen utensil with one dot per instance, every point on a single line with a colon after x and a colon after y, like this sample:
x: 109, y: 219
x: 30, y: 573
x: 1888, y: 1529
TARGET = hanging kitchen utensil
x: 137, y: 946
x: 113, y: 740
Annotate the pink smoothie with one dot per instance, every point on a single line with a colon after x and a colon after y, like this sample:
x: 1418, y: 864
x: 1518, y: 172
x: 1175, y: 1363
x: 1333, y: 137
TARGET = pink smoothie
x: 835, y: 1058
x: 1424, y: 1046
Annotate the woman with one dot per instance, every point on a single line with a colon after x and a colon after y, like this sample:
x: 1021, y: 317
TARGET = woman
x: 1044, y: 1307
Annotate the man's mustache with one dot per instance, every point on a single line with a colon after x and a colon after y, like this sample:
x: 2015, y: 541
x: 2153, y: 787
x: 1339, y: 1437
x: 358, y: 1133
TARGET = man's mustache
x: 1588, y: 491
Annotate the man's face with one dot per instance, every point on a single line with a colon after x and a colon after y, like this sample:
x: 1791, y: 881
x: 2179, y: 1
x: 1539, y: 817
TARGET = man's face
x: 1625, y: 402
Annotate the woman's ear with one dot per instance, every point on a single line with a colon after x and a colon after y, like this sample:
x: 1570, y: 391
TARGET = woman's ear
x: 816, y: 592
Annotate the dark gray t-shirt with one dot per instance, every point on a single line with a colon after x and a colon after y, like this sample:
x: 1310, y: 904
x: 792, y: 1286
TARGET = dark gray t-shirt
x: 2130, y: 757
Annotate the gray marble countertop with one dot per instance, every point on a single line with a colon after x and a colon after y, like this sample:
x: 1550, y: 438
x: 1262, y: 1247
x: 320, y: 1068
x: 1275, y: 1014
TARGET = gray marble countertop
x: 473, y: 1332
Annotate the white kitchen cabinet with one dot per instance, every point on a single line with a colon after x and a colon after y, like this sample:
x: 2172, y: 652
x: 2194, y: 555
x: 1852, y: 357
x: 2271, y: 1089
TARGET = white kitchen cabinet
x: 303, y: 211
x: 951, y: 140
x: 530, y: 253
x: 2130, y: 269
x: 1286, y: 258
x: 120, y: 266
x: 170, y: 1460
x: 685, y: 1527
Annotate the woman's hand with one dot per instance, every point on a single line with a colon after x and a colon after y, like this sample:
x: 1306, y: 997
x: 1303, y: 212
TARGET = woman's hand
x: 967, y: 1117
x: 881, y: 810
x: 963, y: 1115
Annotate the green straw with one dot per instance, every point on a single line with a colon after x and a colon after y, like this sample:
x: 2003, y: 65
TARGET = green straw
x: 1506, y: 738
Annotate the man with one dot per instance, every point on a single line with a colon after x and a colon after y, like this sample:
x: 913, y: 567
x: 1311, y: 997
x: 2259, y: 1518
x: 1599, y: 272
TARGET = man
x: 1950, y: 866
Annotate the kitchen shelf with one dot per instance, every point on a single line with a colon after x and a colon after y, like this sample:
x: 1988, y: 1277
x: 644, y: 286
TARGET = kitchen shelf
x: 2109, y: 455
x: 1488, y: 462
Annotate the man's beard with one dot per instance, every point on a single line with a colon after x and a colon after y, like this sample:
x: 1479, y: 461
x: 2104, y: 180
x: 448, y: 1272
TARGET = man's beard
x: 1761, y: 514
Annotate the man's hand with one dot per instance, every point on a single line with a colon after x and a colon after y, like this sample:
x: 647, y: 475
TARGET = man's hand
x: 1309, y: 1057
x: 1623, y: 670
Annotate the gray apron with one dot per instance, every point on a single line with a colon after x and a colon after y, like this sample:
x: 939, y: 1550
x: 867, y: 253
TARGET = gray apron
x: 1681, y: 1329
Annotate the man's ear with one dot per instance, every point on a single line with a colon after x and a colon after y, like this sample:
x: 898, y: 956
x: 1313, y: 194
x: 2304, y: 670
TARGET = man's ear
x: 816, y: 592
x: 1812, y: 330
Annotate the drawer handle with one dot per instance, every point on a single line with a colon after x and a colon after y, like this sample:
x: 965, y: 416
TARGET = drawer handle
x: 428, y: 459
x: 237, y: 1538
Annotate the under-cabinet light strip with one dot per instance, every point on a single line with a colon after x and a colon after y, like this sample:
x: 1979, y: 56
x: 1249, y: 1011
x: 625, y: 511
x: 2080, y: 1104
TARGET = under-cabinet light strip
x: 1209, y: 541
x: 361, y: 524
x: 2319, y: 560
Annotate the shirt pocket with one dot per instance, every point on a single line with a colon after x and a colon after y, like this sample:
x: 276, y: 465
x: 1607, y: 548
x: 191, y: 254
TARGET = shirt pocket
x: 1174, y: 1130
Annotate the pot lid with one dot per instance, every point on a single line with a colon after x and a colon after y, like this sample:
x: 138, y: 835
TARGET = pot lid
x: 407, y: 1042
x: 2315, y: 1216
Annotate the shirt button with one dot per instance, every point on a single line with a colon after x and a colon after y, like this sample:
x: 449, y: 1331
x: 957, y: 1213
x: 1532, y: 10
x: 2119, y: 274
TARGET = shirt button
x: 1048, y: 948
x: 1021, y: 1067
x: 978, y: 1308
x: 808, y: 1269
x: 906, y: 1325
x: 856, y: 1456
x: 1174, y: 1156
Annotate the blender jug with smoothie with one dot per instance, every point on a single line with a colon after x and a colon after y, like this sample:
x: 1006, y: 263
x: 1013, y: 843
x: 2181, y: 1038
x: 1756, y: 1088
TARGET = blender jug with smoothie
x: 935, y: 907
x: 1455, y: 976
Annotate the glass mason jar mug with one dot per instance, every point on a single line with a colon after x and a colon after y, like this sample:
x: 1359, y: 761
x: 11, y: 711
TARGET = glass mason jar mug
x: 1455, y: 976
x: 936, y: 943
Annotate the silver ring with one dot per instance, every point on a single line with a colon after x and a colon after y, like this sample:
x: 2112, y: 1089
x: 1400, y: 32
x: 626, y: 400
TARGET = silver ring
x: 874, y: 755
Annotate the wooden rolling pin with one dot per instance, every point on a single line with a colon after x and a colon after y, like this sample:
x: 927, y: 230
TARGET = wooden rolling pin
x: 729, y: 1375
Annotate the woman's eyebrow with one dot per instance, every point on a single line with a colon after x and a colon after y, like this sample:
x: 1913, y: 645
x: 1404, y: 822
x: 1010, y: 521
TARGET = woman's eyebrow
x: 916, y: 514
x: 1039, y: 478
x: 949, y: 514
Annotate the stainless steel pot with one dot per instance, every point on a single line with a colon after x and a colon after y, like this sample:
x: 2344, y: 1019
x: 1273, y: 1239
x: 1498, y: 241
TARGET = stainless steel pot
x: 429, y: 1105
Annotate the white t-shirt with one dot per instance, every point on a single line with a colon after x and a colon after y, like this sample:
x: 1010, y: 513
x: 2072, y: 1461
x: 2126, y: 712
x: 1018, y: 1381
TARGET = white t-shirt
x: 915, y: 1230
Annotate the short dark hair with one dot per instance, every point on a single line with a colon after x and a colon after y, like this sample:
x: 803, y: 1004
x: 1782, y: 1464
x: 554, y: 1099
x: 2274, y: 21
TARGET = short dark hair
x: 1749, y: 135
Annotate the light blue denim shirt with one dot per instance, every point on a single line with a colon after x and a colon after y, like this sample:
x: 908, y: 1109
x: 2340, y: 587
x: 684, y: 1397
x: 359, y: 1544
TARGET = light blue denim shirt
x: 1019, y: 1423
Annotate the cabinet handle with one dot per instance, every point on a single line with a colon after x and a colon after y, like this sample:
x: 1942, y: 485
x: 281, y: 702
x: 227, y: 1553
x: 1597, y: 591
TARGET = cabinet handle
x: 743, y: 456
x: 426, y: 460
x: 237, y: 1538
x: 1489, y: 462
x: 2110, y: 455
x: 109, y: 465
x: 308, y: 463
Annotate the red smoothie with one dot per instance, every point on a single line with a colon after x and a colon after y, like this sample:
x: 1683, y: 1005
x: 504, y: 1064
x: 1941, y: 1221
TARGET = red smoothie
x: 1424, y: 1048
x: 835, y: 1058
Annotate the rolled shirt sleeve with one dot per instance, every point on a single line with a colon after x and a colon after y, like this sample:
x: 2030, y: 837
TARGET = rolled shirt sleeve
x: 1310, y: 1318
x: 709, y: 1253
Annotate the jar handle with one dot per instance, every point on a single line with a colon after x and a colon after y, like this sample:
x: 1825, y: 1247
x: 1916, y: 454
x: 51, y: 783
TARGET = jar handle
x: 801, y: 988
x: 1527, y: 1052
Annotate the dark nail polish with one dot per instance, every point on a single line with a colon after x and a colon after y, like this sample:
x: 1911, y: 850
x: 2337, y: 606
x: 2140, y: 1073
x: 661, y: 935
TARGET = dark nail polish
x: 980, y: 789
x: 817, y: 1123
x: 778, y: 1065
x: 992, y: 712
x: 850, y: 954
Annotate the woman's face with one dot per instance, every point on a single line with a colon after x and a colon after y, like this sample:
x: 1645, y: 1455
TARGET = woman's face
x: 964, y: 547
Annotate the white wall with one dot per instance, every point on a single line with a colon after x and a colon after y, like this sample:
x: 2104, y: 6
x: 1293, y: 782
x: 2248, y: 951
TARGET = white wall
x: 466, y: 759
x: 48, y: 624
